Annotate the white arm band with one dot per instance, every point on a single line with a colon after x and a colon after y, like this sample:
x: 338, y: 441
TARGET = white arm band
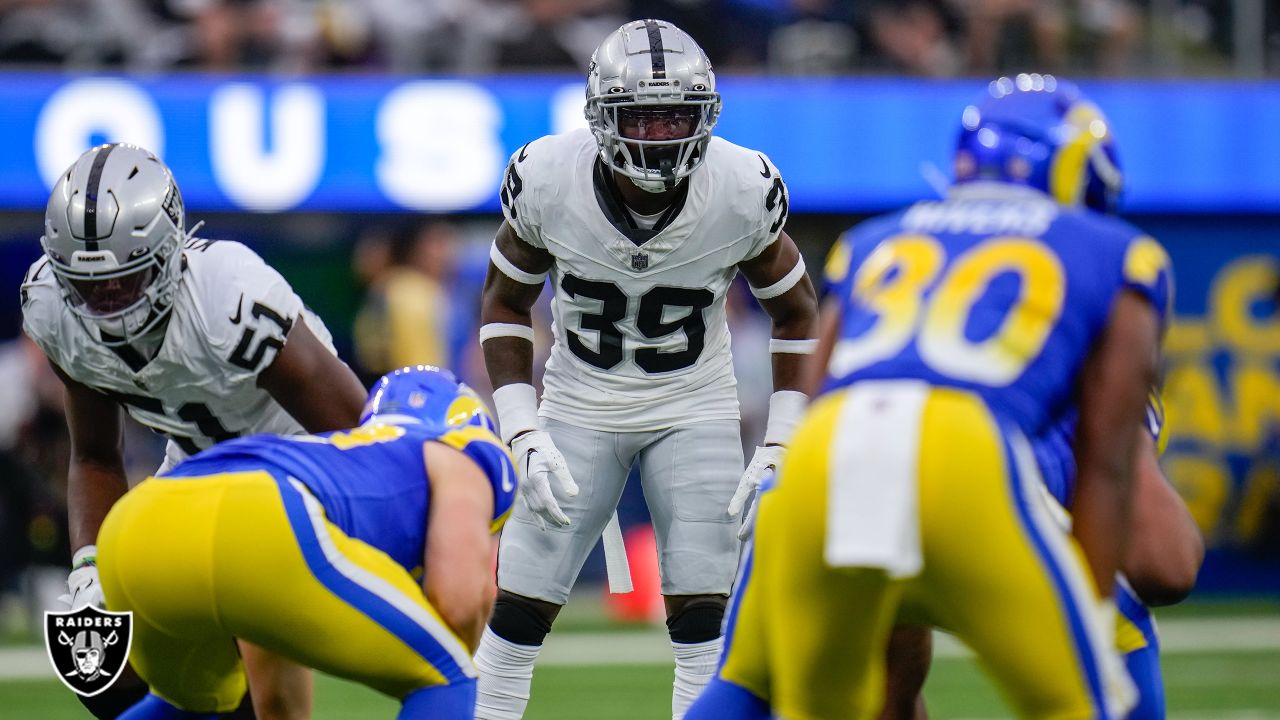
x: 501, y: 262
x: 494, y: 330
x: 786, y: 407
x: 787, y: 282
x: 517, y: 406
x: 798, y: 347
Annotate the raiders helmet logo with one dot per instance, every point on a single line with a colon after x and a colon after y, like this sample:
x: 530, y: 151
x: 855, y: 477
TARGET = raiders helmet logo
x: 88, y: 647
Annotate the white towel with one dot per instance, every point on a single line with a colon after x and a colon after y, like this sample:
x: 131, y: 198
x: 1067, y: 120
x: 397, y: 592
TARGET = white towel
x: 873, y: 517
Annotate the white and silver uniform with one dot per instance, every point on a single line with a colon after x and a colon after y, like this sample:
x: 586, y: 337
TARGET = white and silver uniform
x: 640, y: 370
x: 641, y: 340
x: 232, y: 313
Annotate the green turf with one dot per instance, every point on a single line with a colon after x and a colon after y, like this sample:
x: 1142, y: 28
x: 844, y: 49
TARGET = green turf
x: 1201, y: 686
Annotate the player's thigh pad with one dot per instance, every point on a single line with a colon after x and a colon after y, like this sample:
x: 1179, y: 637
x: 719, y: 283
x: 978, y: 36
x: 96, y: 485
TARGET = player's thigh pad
x: 544, y: 564
x: 690, y: 473
x: 1001, y: 573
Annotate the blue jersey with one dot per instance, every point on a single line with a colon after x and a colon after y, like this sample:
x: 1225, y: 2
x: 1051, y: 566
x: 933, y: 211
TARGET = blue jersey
x: 372, y: 480
x: 997, y: 290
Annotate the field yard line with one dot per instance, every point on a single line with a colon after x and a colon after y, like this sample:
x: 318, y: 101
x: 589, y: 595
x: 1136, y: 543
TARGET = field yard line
x: 648, y: 647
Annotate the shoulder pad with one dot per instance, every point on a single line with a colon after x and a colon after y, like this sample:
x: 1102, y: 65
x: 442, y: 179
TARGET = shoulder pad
x: 42, y: 304
x: 1148, y: 270
x: 247, y: 308
x: 756, y: 191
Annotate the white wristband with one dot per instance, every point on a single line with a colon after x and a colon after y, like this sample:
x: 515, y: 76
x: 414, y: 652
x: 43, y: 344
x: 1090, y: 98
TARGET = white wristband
x: 786, y: 407
x: 787, y: 282
x: 489, y: 331
x: 797, y: 347
x: 517, y: 406
x: 509, y: 269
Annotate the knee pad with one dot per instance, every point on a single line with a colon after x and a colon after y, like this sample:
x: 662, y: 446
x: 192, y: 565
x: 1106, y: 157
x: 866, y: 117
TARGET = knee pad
x: 518, y: 621
x: 698, y: 621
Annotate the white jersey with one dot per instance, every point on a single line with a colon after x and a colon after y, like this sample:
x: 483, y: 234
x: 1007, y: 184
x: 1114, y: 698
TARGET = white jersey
x: 641, y: 340
x: 231, y: 315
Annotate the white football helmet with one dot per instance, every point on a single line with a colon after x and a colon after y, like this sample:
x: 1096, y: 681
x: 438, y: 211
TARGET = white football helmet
x: 113, y: 232
x: 650, y: 72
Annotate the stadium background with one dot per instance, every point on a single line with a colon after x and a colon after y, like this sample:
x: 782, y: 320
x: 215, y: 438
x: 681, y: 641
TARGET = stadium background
x: 354, y: 144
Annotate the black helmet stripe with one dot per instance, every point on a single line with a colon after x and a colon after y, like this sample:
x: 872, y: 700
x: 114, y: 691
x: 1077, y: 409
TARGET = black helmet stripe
x: 91, y: 198
x: 657, y: 55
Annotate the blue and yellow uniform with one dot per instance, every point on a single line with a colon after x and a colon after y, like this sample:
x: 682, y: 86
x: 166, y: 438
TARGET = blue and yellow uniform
x: 965, y: 324
x: 1136, y: 635
x: 309, y: 546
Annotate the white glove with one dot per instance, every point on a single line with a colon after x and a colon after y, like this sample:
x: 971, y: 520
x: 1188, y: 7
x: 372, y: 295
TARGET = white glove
x: 83, y: 586
x: 537, y: 460
x: 766, y: 460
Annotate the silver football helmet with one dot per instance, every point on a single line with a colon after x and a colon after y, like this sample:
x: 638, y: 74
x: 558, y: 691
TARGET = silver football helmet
x: 113, y: 232
x: 651, y: 103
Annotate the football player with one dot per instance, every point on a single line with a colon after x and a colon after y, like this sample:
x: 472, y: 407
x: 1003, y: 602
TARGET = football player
x: 197, y: 339
x: 641, y: 222
x: 365, y: 553
x: 912, y: 493
x: 1164, y: 548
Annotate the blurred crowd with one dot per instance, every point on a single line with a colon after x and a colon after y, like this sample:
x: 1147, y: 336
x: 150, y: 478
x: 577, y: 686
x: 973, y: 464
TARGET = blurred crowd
x: 935, y: 38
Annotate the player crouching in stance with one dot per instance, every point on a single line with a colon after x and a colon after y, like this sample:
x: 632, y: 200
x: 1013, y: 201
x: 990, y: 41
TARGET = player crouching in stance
x: 312, y: 547
x: 640, y: 223
x: 911, y: 493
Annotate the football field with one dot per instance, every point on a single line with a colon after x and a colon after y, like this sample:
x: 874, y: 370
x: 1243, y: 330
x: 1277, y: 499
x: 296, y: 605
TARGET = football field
x: 1217, y: 667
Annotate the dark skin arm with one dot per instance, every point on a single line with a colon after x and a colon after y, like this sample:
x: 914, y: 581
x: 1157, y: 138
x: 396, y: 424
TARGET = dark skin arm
x: 1113, y: 394
x: 312, y: 384
x: 510, y: 359
x: 794, y: 313
x: 95, y: 479
x: 815, y: 370
x: 458, y: 562
x: 1165, y: 546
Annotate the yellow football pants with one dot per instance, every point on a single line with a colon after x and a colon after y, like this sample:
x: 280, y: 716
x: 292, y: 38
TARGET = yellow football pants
x: 997, y: 572
x: 201, y: 561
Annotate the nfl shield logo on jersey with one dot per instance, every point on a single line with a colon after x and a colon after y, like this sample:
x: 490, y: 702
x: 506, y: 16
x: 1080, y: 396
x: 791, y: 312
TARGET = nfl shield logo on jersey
x: 88, y: 647
x: 640, y: 261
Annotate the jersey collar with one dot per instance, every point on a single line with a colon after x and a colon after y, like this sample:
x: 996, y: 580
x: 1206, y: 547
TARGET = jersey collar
x: 611, y: 204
